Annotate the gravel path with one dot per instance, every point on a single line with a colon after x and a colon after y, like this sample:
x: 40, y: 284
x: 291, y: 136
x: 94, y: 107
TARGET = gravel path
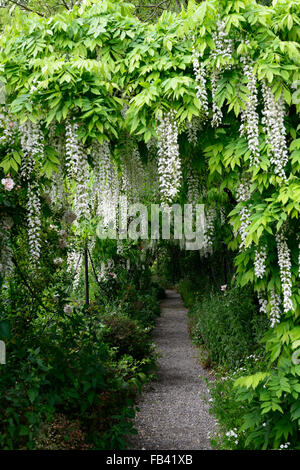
x: 173, y: 414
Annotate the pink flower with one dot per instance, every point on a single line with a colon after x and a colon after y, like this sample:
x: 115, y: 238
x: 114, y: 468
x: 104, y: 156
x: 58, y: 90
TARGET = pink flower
x: 8, y: 183
x: 224, y: 287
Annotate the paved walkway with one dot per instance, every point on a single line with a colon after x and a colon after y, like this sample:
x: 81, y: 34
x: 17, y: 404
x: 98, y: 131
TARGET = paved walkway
x: 173, y: 414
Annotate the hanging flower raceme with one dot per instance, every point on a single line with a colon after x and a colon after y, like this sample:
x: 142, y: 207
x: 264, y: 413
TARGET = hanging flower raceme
x: 78, y: 169
x: 106, y: 186
x: 223, y: 44
x: 57, y: 193
x: 208, y: 236
x: 192, y: 129
x: 74, y: 149
x: 34, y: 220
x: 32, y: 144
x: 275, y: 311
x: 6, y: 264
x: 216, y: 109
x: 193, y: 182
x: 223, y: 49
x: 263, y: 303
x: 152, y: 146
x: 200, y: 77
x: 222, y: 216
x: 102, y: 166
x: 33, y: 151
x: 109, y: 203
x: 74, y: 266
x: 9, y: 128
x: 169, y: 164
x: 133, y: 174
x: 82, y: 196
x: 243, y: 195
x: 284, y: 260
x: 273, y: 120
x: 249, y: 116
x: 260, y: 261
x: 151, y: 180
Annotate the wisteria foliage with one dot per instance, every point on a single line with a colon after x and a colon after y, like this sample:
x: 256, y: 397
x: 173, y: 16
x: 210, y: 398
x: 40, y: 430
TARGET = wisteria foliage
x: 186, y: 83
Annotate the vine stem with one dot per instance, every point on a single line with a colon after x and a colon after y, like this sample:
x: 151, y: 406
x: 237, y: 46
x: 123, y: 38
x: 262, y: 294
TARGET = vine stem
x: 94, y: 271
x: 27, y: 284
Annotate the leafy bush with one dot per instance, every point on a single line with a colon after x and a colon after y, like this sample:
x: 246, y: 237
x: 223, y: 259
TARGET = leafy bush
x: 145, y: 309
x: 126, y: 335
x: 273, y: 393
x: 187, y: 290
x: 228, y: 324
x: 225, y: 406
x: 65, y: 364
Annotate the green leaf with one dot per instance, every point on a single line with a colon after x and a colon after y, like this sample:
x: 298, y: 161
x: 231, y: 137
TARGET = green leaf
x: 5, y: 332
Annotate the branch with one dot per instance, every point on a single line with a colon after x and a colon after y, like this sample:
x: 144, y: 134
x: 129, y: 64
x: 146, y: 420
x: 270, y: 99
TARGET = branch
x: 25, y: 7
x: 64, y: 3
x: 27, y: 284
x: 94, y: 271
x: 232, y: 199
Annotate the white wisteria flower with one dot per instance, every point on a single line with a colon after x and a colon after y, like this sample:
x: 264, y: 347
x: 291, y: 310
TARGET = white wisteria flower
x: 275, y: 312
x: 273, y: 120
x: 169, y: 163
x: 32, y: 143
x: 260, y: 261
x: 284, y: 260
x: 208, y: 238
x: 34, y: 220
x: 263, y: 303
x: 223, y: 49
x: 201, y: 78
x: 243, y: 195
x: 6, y: 263
x: 68, y: 309
x: 249, y: 116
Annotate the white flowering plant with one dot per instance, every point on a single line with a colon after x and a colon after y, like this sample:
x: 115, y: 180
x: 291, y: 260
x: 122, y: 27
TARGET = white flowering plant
x: 212, y: 85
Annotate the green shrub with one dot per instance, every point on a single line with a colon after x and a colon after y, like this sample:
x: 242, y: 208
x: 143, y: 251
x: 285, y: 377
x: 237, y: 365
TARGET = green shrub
x: 225, y: 406
x: 145, y: 309
x: 273, y: 394
x: 126, y: 335
x: 66, y: 365
x: 228, y: 324
x: 187, y: 290
x: 159, y: 291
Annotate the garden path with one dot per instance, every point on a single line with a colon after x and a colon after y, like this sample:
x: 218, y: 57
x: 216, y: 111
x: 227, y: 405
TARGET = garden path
x: 173, y: 410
